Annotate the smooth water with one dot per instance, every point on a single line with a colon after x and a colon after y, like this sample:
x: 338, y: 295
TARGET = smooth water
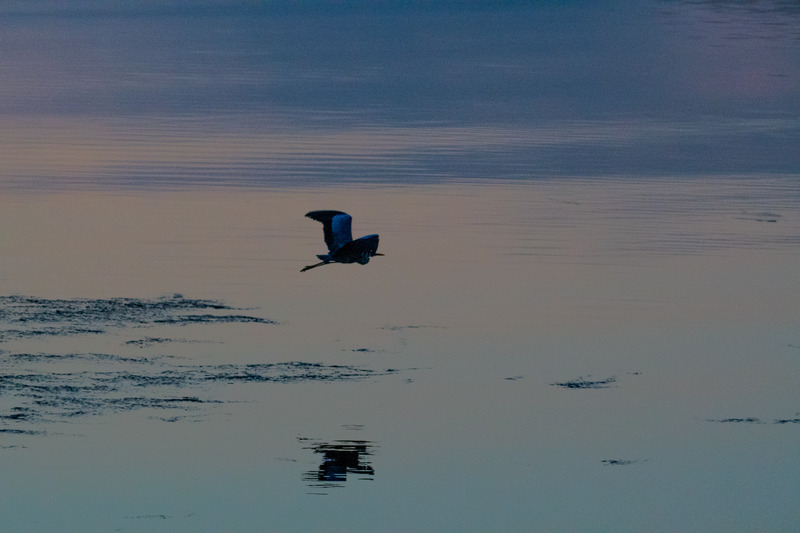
x: 586, y: 318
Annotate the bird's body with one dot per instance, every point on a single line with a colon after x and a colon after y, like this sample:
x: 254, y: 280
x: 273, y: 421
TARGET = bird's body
x: 339, y: 239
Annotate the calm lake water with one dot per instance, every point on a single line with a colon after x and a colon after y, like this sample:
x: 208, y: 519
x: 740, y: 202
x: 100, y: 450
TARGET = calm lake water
x: 586, y: 319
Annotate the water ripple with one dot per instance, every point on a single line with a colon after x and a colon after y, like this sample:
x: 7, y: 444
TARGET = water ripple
x: 38, y: 387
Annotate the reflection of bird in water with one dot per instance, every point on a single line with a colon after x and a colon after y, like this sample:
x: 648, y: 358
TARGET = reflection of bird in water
x: 340, y: 458
x: 341, y: 246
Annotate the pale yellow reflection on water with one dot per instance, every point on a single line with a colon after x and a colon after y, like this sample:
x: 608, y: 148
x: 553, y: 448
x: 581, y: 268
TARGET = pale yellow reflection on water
x: 677, y: 298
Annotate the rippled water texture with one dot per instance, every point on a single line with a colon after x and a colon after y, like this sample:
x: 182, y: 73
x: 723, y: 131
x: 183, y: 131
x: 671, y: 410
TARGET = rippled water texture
x: 116, y: 95
x: 585, y: 317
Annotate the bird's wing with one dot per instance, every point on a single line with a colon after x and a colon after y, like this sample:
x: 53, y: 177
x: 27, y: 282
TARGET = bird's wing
x: 354, y: 251
x: 369, y: 243
x: 335, y: 226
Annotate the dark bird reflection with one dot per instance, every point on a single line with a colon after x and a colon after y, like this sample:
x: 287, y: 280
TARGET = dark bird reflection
x: 340, y: 458
x: 339, y: 239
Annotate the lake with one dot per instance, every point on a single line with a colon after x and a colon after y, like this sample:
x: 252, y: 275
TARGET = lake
x: 586, y: 318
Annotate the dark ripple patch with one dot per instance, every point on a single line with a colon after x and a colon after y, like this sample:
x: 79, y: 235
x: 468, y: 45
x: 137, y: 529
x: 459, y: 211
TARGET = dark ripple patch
x: 72, y: 357
x: 401, y: 328
x: 211, y: 319
x: 19, y: 432
x: 622, y: 462
x: 38, y: 388
x: 747, y: 420
x: 754, y: 420
x: 363, y: 350
x: 40, y: 396
x: 149, y: 341
x: 14, y: 334
x: 146, y: 342
x: 22, y: 309
x: 762, y: 216
x: 581, y: 383
x: 27, y: 317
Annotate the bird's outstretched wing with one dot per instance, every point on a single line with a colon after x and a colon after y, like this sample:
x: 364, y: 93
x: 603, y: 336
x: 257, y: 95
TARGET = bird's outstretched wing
x: 335, y: 226
x: 359, y: 250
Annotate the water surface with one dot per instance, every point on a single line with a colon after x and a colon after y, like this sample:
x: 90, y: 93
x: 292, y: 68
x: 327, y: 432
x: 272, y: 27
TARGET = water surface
x: 586, y: 318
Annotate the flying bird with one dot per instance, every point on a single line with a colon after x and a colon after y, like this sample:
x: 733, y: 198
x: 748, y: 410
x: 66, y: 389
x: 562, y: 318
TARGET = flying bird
x: 341, y: 246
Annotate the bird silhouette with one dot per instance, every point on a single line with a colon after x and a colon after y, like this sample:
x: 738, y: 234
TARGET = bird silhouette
x: 341, y: 246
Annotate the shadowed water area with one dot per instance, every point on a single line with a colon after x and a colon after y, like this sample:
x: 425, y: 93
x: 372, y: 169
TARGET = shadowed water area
x: 585, y: 317
x: 53, y: 387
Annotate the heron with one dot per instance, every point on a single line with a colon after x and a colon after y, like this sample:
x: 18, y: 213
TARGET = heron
x: 341, y: 246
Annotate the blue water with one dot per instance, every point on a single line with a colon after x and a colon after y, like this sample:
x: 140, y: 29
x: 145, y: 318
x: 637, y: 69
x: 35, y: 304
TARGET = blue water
x: 586, y: 316
x: 189, y: 94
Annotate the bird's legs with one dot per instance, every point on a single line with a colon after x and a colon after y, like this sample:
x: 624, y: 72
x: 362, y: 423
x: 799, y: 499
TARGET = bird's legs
x: 309, y: 267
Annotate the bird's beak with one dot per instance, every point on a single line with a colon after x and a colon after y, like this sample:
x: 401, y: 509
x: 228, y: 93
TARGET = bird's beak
x: 377, y: 254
